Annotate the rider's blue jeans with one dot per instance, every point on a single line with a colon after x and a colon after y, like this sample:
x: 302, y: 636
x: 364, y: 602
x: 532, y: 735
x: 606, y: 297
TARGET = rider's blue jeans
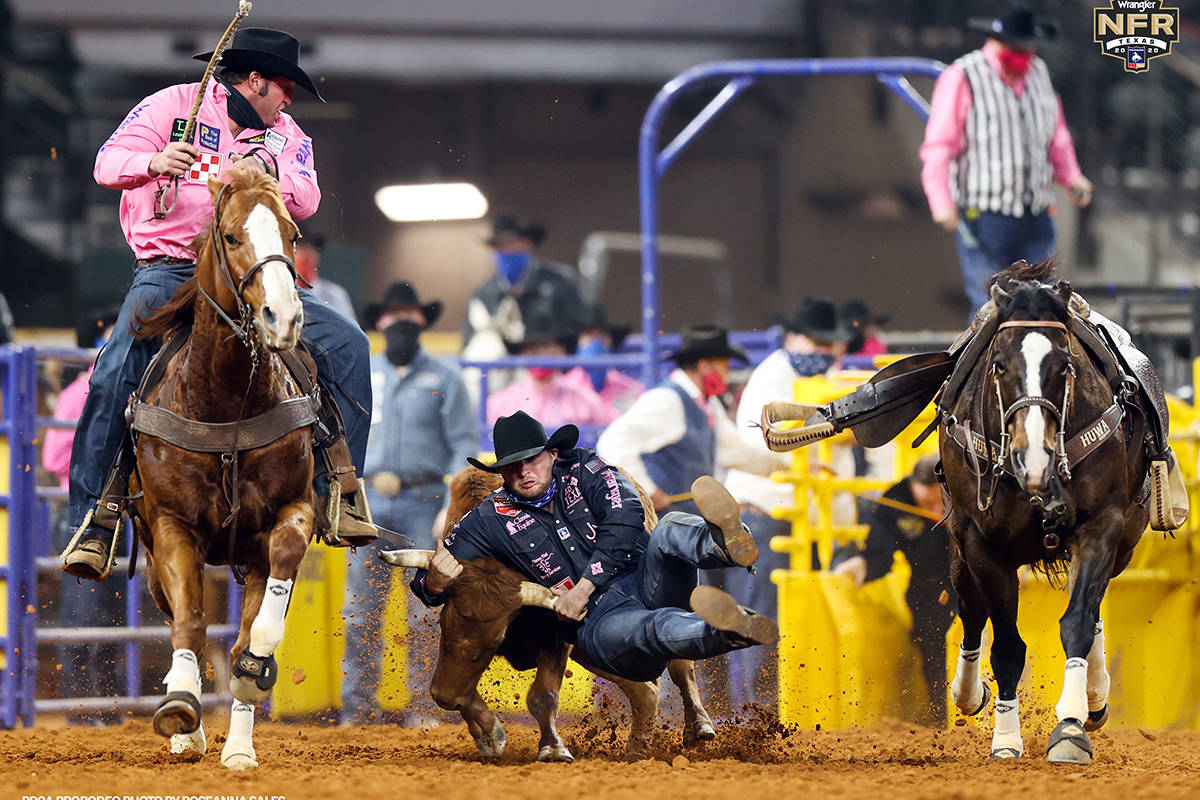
x: 642, y: 622
x: 992, y: 242
x: 337, y: 345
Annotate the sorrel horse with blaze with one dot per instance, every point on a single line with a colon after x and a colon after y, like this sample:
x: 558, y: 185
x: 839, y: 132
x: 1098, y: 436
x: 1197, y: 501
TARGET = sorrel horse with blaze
x: 1023, y: 502
x: 247, y: 507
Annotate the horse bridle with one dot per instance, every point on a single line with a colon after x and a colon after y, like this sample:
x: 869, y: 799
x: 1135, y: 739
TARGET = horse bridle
x: 244, y: 328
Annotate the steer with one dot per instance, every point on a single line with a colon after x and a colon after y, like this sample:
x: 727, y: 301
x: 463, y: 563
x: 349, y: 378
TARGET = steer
x: 491, y: 610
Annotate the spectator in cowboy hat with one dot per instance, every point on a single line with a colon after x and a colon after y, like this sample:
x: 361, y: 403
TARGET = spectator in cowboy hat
x: 308, y: 262
x: 422, y: 426
x: 680, y: 430
x: 598, y: 337
x: 545, y: 392
x: 523, y: 286
x: 866, y: 338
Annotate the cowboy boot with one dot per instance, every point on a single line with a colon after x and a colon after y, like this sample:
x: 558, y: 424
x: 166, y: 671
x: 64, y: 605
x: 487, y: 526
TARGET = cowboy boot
x: 344, y: 520
x: 720, y: 511
x: 1169, y: 506
x: 92, y: 551
x: 742, y: 626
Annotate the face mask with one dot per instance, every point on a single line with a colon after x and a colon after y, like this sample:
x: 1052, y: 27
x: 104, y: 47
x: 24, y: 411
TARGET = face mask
x: 402, y: 343
x: 809, y: 364
x: 241, y: 111
x: 599, y: 375
x: 1015, y: 61
x: 713, y: 385
x: 512, y: 266
x: 542, y: 373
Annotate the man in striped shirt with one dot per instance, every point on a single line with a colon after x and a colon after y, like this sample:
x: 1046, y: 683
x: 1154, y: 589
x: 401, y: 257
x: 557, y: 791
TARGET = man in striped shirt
x: 995, y: 140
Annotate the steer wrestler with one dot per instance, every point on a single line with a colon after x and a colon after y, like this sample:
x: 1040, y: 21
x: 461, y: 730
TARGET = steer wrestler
x: 571, y: 522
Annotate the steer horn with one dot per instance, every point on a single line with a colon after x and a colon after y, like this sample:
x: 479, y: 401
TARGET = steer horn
x: 534, y: 594
x: 407, y: 558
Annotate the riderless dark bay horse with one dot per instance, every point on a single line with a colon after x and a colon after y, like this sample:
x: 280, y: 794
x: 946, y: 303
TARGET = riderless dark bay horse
x: 224, y: 453
x: 1053, y: 438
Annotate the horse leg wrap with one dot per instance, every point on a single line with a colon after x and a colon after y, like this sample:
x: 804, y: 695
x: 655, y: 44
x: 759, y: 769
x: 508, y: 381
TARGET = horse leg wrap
x: 1006, y: 735
x: 184, y: 675
x: 266, y: 632
x: 1097, y: 673
x: 1072, y: 704
x: 261, y: 669
x: 967, y: 690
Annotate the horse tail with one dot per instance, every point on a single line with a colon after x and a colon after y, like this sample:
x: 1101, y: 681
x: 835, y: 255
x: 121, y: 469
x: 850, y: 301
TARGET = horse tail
x: 1054, y: 566
x: 160, y: 320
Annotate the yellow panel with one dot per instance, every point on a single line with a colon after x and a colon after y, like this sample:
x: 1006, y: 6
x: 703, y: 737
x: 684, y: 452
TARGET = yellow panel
x: 504, y: 688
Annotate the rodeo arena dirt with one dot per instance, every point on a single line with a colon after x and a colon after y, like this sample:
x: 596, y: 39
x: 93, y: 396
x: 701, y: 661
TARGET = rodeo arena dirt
x: 266, y: 536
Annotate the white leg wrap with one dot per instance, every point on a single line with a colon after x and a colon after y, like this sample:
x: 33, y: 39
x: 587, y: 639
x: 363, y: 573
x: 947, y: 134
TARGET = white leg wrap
x: 1097, y: 672
x: 238, y: 753
x: 1007, y: 732
x: 1073, y: 703
x: 266, y: 632
x: 241, y: 721
x: 184, y: 675
x: 966, y: 689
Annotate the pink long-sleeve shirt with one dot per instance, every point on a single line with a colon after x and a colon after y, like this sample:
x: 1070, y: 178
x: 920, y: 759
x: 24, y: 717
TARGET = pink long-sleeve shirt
x: 945, y: 133
x: 123, y: 162
x: 553, y: 404
x: 56, y: 446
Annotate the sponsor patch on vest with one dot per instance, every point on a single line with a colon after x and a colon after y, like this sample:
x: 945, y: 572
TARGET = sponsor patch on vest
x: 208, y: 165
x: 564, y: 532
x: 542, y: 564
x: 596, y: 568
x: 210, y: 137
x: 595, y: 464
x: 275, y: 141
x: 614, y: 490
x: 572, y: 496
x: 177, y: 129
x: 504, y: 506
x: 258, y: 138
x: 519, y: 523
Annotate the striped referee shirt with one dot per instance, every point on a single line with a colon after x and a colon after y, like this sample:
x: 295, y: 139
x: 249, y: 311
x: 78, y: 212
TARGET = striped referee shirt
x: 1005, y: 165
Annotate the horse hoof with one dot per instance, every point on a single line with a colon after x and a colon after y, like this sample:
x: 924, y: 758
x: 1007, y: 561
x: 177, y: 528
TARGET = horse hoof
x: 179, y: 712
x: 248, y: 691
x: 494, y: 743
x: 1069, y: 744
x: 698, y: 732
x: 1096, y: 719
x: 1005, y: 754
x: 238, y: 755
x: 555, y: 753
x: 987, y: 698
x: 193, y: 742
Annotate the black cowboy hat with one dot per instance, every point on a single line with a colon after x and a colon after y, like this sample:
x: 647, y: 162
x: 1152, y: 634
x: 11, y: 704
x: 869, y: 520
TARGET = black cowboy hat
x: 1017, y: 25
x: 271, y: 52
x: 542, y: 327
x: 401, y: 294
x: 705, y: 341
x: 520, y: 437
x: 507, y: 228
x: 594, y: 315
x: 855, y: 313
x: 816, y: 318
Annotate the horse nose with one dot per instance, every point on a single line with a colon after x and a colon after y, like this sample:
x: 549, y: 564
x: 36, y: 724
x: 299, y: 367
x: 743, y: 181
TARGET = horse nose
x: 269, y: 318
x: 1018, y: 463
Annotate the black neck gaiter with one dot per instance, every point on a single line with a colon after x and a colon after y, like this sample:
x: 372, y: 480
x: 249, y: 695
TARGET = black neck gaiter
x: 240, y: 110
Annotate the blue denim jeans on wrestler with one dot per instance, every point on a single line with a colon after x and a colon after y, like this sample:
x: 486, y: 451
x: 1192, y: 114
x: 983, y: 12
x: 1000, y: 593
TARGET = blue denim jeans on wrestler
x: 641, y: 622
x: 368, y: 580
x: 991, y: 242
x: 338, y: 346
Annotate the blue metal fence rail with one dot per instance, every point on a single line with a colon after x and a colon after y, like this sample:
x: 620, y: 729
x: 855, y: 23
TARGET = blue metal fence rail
x: 739, y: 76
x: 30, y: 545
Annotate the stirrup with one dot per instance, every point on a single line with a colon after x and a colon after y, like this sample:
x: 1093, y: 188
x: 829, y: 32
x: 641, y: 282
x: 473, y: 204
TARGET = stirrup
x: 84, y: 563
x: 359, y: 514
x: 1169, y: 504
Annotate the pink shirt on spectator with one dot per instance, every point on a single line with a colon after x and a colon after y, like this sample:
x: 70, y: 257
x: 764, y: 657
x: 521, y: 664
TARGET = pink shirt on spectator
x: 56, y: 447
x: 945, y: 133
x: 553, y: 404
x: 618, y: 393
x: 123, y: 162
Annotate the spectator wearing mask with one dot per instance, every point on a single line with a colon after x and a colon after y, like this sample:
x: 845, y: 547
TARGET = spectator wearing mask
x: 308, y: 262
x: 866, y: 338
x: 915, y: 532
x: 546, y: 393
x: 597, y: 337
x: 422, y: 428
x: 89, y: 669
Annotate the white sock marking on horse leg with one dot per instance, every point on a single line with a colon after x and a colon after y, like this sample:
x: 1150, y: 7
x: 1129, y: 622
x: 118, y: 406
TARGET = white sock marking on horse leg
x: 1073, y: 702
x: 184, y: 675
x: 966, y: 689
x: 266, y: 632
x: 1035, y: 347
x: 1097, y: 672
x: 1007, y: 731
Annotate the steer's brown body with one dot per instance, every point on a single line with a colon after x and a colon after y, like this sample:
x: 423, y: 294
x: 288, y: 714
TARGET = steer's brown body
x: 483, y: 617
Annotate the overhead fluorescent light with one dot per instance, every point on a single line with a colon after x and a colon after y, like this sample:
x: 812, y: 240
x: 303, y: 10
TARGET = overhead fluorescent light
x: 429, y: 202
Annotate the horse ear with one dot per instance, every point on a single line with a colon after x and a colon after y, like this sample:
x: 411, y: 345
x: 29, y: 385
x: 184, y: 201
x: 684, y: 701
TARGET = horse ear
x: 997, y: 293
x: 1064, y: 292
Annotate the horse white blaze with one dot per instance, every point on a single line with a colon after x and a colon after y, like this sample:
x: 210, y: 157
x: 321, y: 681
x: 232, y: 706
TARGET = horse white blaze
x: 1035, y: 347
x: 262, y: 233
x: 266, y: 632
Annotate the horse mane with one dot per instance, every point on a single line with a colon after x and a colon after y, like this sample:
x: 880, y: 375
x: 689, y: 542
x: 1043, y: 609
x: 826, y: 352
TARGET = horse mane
x: 1034, y: 291
x: 1044, y: 271
x: 158, y: 321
